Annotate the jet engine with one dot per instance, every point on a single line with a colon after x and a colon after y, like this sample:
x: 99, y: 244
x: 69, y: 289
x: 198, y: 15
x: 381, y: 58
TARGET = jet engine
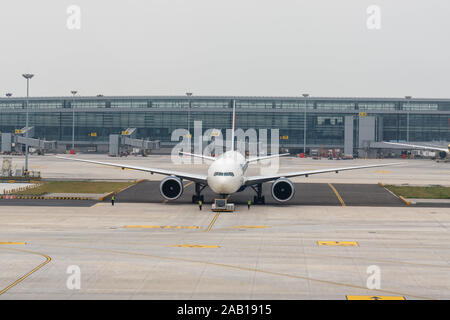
x: 283, y: 189
x: 171, y: 188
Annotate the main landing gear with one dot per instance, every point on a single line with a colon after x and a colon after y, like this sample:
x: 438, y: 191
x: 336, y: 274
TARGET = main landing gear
x: 197, y: 196
x: 259, y: 198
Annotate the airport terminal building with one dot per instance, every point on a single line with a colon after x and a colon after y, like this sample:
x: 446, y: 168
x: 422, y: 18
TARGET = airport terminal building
x: 347, y: 123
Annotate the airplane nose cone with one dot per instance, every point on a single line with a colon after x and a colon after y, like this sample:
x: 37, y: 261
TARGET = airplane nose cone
x: 222, y: 185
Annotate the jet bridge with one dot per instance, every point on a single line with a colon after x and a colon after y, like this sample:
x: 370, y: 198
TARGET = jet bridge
x: 126, y: 143
x: 13, y: 142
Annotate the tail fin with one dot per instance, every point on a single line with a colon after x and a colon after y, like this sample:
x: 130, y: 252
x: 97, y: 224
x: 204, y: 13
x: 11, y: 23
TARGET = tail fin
x: 234, y: 121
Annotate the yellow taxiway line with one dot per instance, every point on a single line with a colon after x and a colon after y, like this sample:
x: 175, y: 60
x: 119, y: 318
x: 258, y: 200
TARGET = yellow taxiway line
x: 375, y: 298
x: 160, y: 227
x: 188, y: 184
x: 48, y: 259
x: 212, y: 222
x: 193, y: 246
x: 337, y: 194
x: 338, y: 243
x: 9, y: 242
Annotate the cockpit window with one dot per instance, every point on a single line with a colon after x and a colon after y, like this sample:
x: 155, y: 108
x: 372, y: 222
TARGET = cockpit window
x: 226, y: 174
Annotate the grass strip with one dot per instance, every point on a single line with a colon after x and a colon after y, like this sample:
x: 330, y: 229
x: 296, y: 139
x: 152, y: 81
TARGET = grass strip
x: 429, y: 192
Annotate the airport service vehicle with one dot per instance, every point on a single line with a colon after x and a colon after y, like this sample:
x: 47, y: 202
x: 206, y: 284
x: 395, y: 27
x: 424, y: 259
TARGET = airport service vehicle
x: 443, y: 153
x: 222, y: 205
x: 226, y: 175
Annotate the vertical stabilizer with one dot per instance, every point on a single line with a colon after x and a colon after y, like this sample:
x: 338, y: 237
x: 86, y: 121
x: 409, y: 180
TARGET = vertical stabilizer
x: 232, y: 127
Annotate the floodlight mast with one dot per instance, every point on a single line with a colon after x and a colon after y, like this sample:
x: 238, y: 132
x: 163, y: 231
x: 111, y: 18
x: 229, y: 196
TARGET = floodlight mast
x: 73, y: 119
x: 27, y: 76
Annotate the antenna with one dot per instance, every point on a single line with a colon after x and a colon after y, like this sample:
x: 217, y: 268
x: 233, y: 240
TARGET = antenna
x: 232, y: 129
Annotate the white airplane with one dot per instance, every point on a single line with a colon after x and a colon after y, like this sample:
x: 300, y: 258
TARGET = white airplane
x: 226, y: 175
x: 443, y: 153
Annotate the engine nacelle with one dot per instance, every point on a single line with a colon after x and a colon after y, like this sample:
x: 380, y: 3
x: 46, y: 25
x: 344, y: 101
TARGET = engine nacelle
x: 283, y: 189
x: 171, y: 188
x: 443, y: 154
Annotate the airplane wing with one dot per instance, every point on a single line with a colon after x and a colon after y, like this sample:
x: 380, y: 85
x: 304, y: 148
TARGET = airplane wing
x: 185, y: 175
x: 267, y: 157
x: 412, y: 146
x: 261, y: 179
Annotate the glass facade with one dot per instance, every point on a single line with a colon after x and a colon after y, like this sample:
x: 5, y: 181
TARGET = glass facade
x: 156, y: 117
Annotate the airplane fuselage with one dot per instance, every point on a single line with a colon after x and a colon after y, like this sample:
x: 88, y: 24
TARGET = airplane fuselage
x: 226, y: 174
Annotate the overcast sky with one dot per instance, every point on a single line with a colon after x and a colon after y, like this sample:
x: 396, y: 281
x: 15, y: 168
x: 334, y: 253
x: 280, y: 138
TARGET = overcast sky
x: 226, y: 47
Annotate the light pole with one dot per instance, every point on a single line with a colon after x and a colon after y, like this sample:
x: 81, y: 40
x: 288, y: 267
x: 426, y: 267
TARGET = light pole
x: 305, y: 95
x: 407, y: 118
x: 27, y: 76
x: 73, y: 119
x: 8, y: 95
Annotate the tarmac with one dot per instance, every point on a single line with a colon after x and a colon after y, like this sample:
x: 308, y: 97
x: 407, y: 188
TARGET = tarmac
x: 160, y: 251
x: 369, y: 245
x: 309, y: 194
